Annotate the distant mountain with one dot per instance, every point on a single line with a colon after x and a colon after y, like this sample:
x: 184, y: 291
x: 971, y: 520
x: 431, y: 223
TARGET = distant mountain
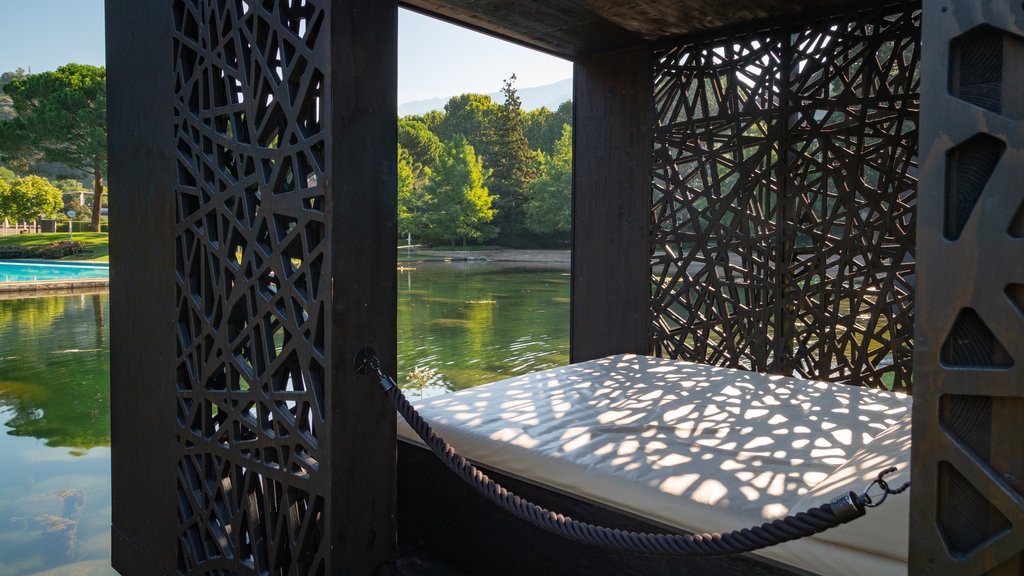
x: 550, y: 96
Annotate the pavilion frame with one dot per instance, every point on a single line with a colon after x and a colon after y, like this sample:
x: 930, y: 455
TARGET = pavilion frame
x: 251, y: 261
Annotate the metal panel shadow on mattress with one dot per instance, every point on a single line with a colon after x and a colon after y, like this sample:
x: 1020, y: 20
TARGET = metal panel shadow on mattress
x: 696, y: 448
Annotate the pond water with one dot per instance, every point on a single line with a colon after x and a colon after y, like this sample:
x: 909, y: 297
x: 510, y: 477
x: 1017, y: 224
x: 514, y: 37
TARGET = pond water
x: 55, y: 419
x: 459, y: 325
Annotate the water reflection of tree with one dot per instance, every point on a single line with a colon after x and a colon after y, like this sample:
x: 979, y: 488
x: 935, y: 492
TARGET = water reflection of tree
x: 473, y: 323
x: 54, y: 369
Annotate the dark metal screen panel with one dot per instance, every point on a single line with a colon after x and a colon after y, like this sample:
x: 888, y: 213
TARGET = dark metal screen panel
x: 967, y: 503
x: 784, y: 191
x: 260, y: 407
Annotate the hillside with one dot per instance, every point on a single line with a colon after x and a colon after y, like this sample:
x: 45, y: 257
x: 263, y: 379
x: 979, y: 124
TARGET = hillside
x: 550, y: 96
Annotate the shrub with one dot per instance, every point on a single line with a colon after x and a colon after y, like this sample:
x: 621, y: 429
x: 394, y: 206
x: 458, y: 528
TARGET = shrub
x: 55, y: 250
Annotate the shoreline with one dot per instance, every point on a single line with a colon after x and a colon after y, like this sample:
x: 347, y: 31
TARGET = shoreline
x: 417, y: 255
x: 10, y: 290
x: 499, y: 255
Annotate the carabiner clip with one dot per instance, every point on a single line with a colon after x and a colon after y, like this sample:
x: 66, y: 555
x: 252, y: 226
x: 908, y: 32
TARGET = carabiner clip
x: 882, y: 484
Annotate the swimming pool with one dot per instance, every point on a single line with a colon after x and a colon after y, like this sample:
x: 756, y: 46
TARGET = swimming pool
x: 40, y: 270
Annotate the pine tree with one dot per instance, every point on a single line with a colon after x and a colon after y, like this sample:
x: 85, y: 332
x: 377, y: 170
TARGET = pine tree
x: 512, y: 162
x: 61, y: 117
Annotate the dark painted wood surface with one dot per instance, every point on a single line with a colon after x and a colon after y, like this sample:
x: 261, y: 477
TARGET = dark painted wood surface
x: 437, y: 512
x: 364, y: 190
x: 613, y: 114
x: 968, y: 447
x: 142, y: 327
x: 574, y: 28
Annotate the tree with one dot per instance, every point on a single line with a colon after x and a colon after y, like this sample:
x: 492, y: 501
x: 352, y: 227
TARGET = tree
x: 6, y: 106
x: 512, y: 162
x: 61, y: 117
x: 543, y: 127
x: 469, y: 115
x: 28, y: 198
x: 549, y: 208
x: 67, y: 184
x: 6, y: 77
x: 419, y: 141
x: 534, y: 124
x: 458, y: 206
x: 409, y: 203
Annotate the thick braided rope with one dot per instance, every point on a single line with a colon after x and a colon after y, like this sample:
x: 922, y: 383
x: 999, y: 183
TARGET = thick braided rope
x: 789, y: 528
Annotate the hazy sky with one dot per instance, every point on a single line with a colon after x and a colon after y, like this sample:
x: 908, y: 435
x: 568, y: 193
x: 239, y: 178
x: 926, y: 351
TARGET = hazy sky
x: 435, y: 59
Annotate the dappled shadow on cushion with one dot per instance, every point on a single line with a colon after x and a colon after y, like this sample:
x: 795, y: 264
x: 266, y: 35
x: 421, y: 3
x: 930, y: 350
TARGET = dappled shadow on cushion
x: 691, y: 446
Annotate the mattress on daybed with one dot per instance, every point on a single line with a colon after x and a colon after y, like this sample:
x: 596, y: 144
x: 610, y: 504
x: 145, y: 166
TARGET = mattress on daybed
x: 696, y: 447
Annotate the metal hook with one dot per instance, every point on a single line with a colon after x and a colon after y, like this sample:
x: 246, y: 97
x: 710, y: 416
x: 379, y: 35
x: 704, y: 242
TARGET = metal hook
x: 366, y: 361
x: 883, y: 485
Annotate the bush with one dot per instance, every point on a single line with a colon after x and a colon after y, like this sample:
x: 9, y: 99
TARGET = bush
x: 55, y: 250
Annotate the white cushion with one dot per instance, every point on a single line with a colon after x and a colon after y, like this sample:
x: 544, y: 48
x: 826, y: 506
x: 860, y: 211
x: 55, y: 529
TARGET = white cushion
x: 690, y: 446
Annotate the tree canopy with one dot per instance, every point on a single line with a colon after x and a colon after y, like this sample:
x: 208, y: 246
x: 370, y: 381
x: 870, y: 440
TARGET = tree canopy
x: 61, y: 117
x: 469, y: 115
x: 416, y: 138
x: 457, y: 204
x: 543, y: 127
x: 525, y: 161
x: 408, y: 203
x: 28, y: 198
x: 548, y: 209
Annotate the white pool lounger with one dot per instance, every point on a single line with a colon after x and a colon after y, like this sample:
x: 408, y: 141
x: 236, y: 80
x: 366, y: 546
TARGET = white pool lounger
x: 697, y: 448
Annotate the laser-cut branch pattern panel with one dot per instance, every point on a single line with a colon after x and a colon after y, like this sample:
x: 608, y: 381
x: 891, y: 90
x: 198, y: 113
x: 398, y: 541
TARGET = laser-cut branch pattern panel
x: 252, y: 288
x: 784, y: 192
x: 968, y: 467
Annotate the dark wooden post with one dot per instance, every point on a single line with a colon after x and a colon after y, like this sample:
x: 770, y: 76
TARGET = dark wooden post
x: 142, y: 329
x: 252, y: 152
x: 613, y: 115
x: 967, y: 515
x: 364, y: 186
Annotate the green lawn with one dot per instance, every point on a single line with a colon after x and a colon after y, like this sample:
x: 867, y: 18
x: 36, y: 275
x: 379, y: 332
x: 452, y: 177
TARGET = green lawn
x: 94, y: 241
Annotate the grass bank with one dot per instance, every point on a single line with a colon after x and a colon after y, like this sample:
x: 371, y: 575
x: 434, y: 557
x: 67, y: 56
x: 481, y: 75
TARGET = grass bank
x: 96, y: 243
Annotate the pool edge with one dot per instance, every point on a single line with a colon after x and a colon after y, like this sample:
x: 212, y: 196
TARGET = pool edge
x: 46, y: 287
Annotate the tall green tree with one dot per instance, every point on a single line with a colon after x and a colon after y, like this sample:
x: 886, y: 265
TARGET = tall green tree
x: 409, y: 202
x: 471, y: 116
x: 61, y: 117
x: 414, y: 136
x: 513, y: 164
x: 28, y: 198
x: 458, y: 205
x: 549, y: 207
x: 543, y: 127
x: 534, y: 123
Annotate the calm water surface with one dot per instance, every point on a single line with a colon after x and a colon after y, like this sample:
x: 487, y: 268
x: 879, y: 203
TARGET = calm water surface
x: 459, y: 325
x: 55, y: 418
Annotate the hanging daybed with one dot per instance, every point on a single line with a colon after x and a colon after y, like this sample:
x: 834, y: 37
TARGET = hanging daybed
x: 691, y: 448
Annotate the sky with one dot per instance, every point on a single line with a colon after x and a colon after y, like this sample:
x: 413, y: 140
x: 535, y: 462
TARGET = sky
x: 435, y: 59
